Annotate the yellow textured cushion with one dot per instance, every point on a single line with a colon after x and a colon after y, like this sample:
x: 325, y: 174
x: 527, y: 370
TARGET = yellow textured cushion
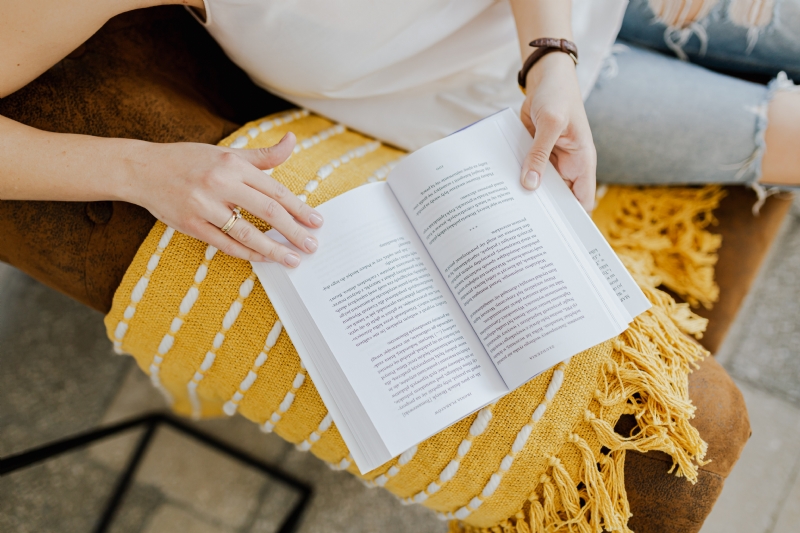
x: 199, y: 323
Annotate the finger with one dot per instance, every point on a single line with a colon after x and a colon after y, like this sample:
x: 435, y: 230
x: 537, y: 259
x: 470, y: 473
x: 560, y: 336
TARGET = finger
x: 525, y: 116
x: 211, y: 234
x: 271, y: 211
x: 548, y: 129
x: 250, y: 236
x: 276, y: 190
x: 269, y: 157
x: 584, y: 190
x: 579, y: 169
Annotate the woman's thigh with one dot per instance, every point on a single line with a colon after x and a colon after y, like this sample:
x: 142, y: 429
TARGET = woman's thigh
x: 752, y: 36
x: 658, y: 120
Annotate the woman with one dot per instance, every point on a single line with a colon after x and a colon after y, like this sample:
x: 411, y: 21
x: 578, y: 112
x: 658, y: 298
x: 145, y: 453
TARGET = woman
x: 424, y: 69
x: 193, y: 187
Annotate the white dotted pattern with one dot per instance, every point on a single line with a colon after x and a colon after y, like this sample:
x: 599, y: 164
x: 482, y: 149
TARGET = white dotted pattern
x: 231, y: 405
x: 519, y: 443
x: 284, y: 406
x: 316, y: 434
x: 383, y: 172
x: 227, y: 322
x: 404, y: 458
x: 477, y: 428
x: 344, y: 464
x: 186, y: 306
x: 139, y: 288
x: 327, y: 169
x: 243, y: 140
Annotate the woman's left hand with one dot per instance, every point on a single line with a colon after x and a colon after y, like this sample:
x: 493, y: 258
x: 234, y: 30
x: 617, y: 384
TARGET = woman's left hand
x: 554, y: 114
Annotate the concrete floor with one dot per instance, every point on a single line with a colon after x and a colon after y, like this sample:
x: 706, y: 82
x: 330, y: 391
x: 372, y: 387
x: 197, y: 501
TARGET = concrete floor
x: 59, y: 376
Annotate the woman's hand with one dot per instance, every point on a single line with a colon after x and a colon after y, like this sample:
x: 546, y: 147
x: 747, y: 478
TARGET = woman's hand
x: 194, y: 188
x: 554, y: 114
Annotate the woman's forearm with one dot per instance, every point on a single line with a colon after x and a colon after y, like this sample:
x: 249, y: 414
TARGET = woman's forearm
x: 541, y: 18
x: 190, y: 186
x: 39, y: 165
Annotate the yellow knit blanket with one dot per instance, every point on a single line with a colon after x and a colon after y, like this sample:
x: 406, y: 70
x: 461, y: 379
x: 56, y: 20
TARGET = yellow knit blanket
x: 199, y: 323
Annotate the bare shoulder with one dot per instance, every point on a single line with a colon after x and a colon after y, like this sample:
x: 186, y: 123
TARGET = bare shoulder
x: 36, y: 34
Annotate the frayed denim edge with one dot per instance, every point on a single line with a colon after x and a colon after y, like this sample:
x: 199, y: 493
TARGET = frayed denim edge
x: 753, y: 163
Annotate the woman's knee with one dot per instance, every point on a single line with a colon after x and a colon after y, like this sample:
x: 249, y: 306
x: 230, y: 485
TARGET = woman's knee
x: 781, y: 161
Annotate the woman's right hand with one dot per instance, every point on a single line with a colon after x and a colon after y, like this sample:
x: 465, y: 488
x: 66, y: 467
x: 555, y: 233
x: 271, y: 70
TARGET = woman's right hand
x: 194, y: 187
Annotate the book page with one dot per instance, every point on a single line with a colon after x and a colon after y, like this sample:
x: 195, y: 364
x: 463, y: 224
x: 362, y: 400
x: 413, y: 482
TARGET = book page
x: 578, y: 221
x: 391, y: 323
x: 529, y: 298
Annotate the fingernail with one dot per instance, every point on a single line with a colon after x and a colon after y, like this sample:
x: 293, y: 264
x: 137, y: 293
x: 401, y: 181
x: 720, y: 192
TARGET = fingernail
x: 315, y: 219
x: 531, y: 180
x: 310, y: 244
x: 291, y: 260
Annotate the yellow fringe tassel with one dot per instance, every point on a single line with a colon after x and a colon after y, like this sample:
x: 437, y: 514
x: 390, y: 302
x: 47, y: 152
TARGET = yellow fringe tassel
x: 666, y: 228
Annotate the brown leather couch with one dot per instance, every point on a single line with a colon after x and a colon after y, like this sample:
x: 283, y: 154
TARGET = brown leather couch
x: 156, y: 75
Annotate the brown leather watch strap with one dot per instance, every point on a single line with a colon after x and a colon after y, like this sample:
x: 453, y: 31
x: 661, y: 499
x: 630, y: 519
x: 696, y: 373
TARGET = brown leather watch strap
x: 543, y: 47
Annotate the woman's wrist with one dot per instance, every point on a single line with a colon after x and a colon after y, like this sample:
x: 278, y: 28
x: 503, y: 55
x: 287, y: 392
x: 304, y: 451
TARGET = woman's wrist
x: 132, y: 158
x: 554, y: 64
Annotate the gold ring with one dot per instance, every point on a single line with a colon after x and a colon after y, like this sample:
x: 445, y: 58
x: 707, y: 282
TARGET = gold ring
x: 237, y: 214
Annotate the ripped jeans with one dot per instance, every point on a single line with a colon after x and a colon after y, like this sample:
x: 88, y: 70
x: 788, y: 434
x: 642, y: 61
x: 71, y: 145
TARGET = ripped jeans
x: 662, y: 120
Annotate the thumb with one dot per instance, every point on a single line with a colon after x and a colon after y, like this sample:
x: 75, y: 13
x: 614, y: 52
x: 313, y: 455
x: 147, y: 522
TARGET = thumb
x: 548, y: 130
x: 271, y: 156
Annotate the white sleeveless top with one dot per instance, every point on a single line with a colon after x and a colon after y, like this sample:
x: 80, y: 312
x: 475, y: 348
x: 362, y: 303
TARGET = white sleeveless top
x: 407, y: 72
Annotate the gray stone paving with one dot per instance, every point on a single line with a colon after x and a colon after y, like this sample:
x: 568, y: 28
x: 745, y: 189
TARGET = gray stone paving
x: 57, y: 371
x: 59, y: 376
x: 764, y: 347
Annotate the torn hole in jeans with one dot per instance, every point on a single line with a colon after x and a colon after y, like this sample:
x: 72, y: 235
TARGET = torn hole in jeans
x: 754, y: 15
x: 752, y: 165
x: 683, y: 19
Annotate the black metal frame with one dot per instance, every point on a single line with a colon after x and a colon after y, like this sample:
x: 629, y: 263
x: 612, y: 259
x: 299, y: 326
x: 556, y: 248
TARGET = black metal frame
x: 151, y: 422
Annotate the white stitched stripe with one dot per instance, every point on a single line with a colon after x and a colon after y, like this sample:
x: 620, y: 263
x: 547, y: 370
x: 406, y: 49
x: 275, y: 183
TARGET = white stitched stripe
x: 383, y: 171
x: 138, y: 292
x: 166, y: 344
x: 322, y: 428
x: 230, y: 318
x: 404, y: 458
x: 343, y: 464
x: 248, y: 381
x: 232, y: 405
x: 286, y: 403
x: 177, y: 322
x: 266, y: 125
x: 519, y: 443
x: 189, y: 300
x: 477, y: 428
x: 186, y: 305
x: 327, y: 169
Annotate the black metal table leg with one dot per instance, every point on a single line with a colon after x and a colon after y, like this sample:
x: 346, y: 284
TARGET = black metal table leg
x: 151, y: 423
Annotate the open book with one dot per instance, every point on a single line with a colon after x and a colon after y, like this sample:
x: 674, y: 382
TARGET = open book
x: 446, y: 287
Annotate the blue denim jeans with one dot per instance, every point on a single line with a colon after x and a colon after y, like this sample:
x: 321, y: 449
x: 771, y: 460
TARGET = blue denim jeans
x: 659, y: 118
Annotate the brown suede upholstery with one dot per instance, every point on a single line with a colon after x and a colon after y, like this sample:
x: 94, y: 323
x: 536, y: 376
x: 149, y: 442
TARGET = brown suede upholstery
x: 156, y: 75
